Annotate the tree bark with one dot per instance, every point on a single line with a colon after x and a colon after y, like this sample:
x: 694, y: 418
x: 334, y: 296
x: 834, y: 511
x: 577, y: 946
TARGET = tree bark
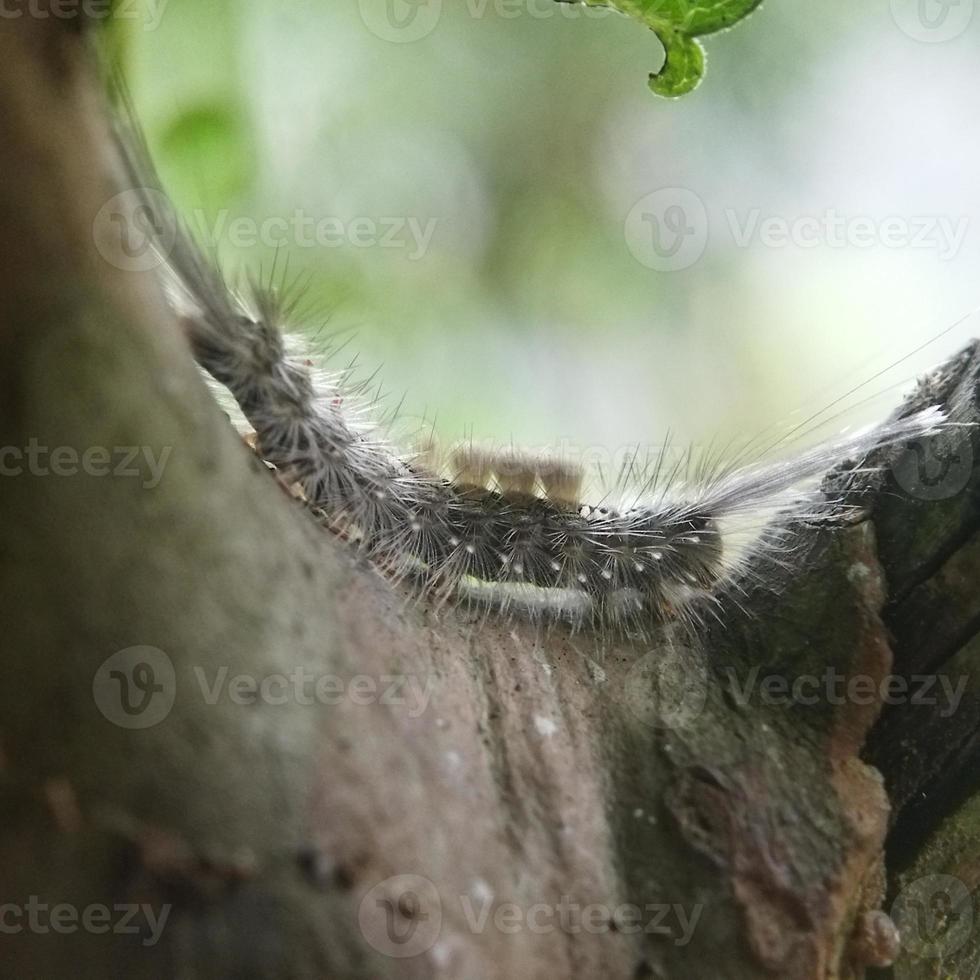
x: 461, y: 799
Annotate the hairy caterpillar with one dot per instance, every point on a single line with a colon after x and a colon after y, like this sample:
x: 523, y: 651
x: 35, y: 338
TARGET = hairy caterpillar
x: 492, y: 527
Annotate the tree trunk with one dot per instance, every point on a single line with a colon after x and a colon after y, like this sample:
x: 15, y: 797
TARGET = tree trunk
x: 409, y: 793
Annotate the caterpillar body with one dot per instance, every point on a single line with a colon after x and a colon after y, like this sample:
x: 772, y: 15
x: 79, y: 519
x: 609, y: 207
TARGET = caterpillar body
x: 497, y: 528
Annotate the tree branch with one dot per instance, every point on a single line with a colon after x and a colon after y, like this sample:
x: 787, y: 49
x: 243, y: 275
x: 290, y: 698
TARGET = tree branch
x: 494, y: 802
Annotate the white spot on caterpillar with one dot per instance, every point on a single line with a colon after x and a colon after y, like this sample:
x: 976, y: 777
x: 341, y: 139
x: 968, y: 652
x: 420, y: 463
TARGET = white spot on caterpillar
x: 441, y: 954
x: 481, y: 891
x: 545, y: 726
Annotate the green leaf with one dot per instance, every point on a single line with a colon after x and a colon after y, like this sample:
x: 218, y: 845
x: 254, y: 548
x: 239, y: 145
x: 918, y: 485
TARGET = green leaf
x: 678, y: 23
x: 212, y: 134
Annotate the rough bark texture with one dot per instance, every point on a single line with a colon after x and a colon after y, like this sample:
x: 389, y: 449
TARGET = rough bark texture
x: 641, y: 816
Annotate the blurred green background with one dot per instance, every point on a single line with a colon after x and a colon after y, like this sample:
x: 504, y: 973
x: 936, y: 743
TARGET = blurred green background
x: 521, y: 133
